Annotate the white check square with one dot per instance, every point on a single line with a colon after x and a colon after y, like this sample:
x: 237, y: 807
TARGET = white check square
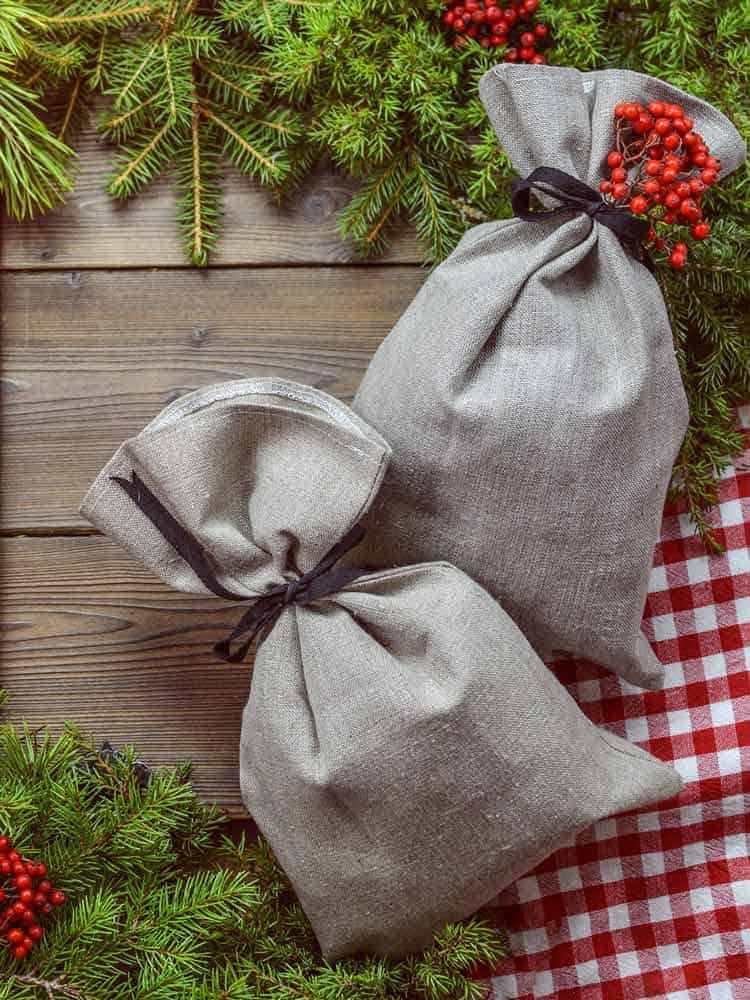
x: 579, y: 926
x: 619, y: 917
x: 660, y: 908
x: 664, y: 627
x: 669, y: 956
x: 570, y: 879
x: 731, y: 512
x: 698, y: 569
x: 628, y: 964
x: 679, y: 721
x: 658, y: 579
x: 588, y: 973
x: 730, y: 761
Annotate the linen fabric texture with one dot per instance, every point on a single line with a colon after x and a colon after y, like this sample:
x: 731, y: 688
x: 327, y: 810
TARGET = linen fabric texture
x: 403, y: 749
x: 531, y: 393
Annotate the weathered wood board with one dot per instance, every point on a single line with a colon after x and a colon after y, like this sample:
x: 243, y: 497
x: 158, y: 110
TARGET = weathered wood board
x: 90, y: 357
x: 89, y: 635
x: 92, y: 230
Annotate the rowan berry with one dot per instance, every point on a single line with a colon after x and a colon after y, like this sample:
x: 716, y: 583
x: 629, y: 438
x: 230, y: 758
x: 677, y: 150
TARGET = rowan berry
x: 668, y: 175
x: 677, y: 260
x: 619, y: 174
x: 620, y: 190
x: 638, y: 204
x: 642, y: 124
x: 652, y: 187
x: 541, y: 30
x: 652, y: 168
x: 528, y: 40
x: 656, y: 108
x: 662, y: 126
x: 709, y: 177
x: 690, y: 210
x: 538, y: 59
x: 672, y: 199
x: 673, y: 111
x: 671, y: 141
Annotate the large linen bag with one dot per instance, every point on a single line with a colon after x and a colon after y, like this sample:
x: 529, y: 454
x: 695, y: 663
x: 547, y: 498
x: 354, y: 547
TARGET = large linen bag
x: 403, y: 748
x: 530, y: 392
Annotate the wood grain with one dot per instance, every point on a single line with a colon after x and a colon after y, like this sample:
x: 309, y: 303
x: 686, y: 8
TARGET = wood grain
x: 90, y: 636
x: 91, y: 357
x: 92, y: 230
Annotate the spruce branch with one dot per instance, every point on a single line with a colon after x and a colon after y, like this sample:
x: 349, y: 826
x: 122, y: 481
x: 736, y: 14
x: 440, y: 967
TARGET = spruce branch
x: 34, y: 165
x: 163, y: 903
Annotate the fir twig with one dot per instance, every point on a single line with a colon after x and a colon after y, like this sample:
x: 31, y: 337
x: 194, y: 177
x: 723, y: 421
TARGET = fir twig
x: 163, y: 904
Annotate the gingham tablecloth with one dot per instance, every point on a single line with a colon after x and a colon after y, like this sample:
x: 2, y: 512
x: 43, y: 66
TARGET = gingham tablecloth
x: 656, y: 903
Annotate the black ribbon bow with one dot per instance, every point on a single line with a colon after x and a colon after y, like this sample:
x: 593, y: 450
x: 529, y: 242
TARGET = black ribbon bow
x: 321, y: 581
x: 577, y: 195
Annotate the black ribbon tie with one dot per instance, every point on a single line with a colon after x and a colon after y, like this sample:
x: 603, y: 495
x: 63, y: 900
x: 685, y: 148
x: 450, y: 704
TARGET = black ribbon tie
x: 321, y: 581
x: 573, y: 193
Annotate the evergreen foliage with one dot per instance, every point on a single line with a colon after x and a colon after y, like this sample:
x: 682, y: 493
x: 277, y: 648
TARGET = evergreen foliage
x: 163, y: 905
x: 273, y: 85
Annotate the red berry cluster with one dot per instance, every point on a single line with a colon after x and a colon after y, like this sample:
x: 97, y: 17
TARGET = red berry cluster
x: 492, y: 25
x: 30, y: 897
x: 660, y: 167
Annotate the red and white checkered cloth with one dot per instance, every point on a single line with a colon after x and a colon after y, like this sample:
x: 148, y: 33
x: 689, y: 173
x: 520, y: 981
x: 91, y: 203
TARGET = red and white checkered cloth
x: 656, y: 903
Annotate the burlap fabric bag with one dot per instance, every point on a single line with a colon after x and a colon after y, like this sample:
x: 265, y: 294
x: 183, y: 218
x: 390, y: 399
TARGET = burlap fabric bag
x: 531, y: 394
x: 403, y: 748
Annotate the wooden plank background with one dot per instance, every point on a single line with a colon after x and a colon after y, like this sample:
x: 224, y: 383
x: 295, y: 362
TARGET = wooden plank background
x: 103, y: 325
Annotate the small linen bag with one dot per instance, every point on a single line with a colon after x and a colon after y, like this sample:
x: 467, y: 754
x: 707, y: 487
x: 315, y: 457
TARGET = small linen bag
x: 531, y: 394
x: 403, y: 749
